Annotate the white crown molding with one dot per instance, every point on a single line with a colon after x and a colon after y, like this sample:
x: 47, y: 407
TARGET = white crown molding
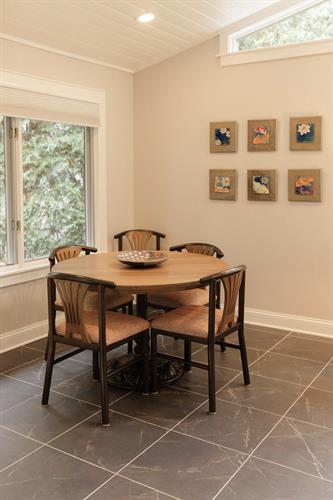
x: 302, y: 324
x: 65, y: 53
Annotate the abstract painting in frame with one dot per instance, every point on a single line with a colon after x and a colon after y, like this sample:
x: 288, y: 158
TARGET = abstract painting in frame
x: 261, y: 135
x: 223, y: 137
x: 222, y: 184
x: 304, y: 185
x: 305, y: 133
x: 261, y: 185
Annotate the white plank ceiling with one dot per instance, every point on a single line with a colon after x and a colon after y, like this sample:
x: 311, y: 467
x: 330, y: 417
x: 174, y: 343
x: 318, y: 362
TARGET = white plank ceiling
x: 107, y: 32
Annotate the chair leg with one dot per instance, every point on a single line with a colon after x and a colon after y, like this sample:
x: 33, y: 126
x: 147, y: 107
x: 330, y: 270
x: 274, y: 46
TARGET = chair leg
x: 153, y: 340
x: 130, y: 347
x: 145, y: 389
x: 211, y: 378
x: 130, y: 308
x: 187, y: 355
x: 48, y: 373
x: 46, y: 350
x: 223, y: 347
x: 245, y: 366
x: 123, y: 309
x: 96, y: 374
x: 104, y: 389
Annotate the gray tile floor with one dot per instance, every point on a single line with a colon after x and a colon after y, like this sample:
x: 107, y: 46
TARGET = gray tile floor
x: 272, y: 440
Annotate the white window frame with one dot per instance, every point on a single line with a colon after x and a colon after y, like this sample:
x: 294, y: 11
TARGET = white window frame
x: 229, y: 54
x: 97, y: 199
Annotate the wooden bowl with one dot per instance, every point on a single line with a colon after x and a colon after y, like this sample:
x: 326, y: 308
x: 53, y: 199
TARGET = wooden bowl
x: 142, y: 258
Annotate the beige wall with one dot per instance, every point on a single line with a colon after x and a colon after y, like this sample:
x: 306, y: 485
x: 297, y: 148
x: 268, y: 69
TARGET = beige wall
x: 288, y: 247
x: 29, y: 299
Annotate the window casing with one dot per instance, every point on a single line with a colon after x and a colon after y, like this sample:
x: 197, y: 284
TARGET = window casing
x: 45, y: 189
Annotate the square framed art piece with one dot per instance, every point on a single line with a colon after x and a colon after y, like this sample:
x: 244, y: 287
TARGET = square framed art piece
x: 305, y: 133
x: 223, y: 137
x: 304, y: 185
x: 261, y: 185
x: 261, y: 135
x: 222, y: 184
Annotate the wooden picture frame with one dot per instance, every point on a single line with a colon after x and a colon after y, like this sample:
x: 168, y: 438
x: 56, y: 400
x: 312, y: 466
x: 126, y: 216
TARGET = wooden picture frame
x: 261, y: 135
x: 305, y: 133
x: 223, y: 184
x: 223, y: 137
x: 261, y: 185
x: 304, y: 185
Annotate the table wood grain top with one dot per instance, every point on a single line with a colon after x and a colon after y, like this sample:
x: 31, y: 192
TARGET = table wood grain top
x: 181, y: 271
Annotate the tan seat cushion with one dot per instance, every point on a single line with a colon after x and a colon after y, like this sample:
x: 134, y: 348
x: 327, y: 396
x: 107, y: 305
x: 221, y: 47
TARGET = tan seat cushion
x: 113, y: 298
x: 188, y: 320
x: 119, y: 326
x: 195, y: 297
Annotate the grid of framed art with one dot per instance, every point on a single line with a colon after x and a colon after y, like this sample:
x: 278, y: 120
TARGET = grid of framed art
x: 303, y: 184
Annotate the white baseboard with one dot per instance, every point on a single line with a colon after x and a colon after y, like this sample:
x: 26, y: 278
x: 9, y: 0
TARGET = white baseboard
x: 22, y: 336
x: 302, y: 324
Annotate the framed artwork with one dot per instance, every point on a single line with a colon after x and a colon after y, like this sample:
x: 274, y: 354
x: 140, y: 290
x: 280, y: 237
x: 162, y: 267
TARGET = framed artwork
x: 305, y: 133
x: 261, y: 135
x: 261, y: 185
x: 223, y: 137
x: 304, y: 185
x: 222, y: 184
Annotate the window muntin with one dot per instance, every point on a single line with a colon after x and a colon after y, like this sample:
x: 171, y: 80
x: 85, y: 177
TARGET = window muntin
x: 51, y: 164
x: 313, y: 23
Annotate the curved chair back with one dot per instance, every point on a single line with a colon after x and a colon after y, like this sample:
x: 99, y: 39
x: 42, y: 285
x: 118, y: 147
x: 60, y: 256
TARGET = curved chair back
x: 65, y: 252
x: 138, y: 239
x: 202, y: 248
x: 233, y: 281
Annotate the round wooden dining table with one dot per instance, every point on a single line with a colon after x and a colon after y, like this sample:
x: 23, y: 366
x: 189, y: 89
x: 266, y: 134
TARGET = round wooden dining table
x: 181, y: 271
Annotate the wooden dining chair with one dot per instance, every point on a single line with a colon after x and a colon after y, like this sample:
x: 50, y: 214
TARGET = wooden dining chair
x: 138, y: 239
x: 114, y: 299
x: 206, y: 325
x: 100, y: 331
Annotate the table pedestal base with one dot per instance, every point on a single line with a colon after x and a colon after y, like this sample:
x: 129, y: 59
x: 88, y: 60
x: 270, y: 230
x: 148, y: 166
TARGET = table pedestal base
x: 131, y: 378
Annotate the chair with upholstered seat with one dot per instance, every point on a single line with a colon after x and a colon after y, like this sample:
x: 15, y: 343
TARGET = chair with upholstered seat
x: 138, y: 239
x: 99, y: 330
x: 206, y: 325
x: 114, y: 299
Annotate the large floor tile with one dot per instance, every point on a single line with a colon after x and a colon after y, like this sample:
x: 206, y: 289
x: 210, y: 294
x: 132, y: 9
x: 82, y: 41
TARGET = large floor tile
x: 299, y: 371
x: 230, y: 358
x: 234, y: 426
x: 259, y: 480
x: 175, y: 346
x: 263, y: 393
x: 17, y: 357
x: 259, y: 337
x: 185, y: 467
x: 34, y: 372
x: 44, y: 423
x: 301, y: 446
x: 85, y: 388
x: 305, y: 348
x: 49, y: 474
x: 119, y: 488
x: 197, y: 379
x: 13, y: 447
x: 166, y: 408
x: 40, y: 345
x: 320, y: 338
x: 110, y: 447
x: 315, y: 407
x: 325, y: 379
x: 13, y: 392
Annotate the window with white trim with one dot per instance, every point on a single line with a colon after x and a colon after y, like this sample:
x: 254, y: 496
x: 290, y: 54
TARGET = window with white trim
x: 315, y: 22
x: 44, y: 188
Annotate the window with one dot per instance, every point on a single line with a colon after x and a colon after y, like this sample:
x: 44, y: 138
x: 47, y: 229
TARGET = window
x: 44, y: 188
x: 313, y: 23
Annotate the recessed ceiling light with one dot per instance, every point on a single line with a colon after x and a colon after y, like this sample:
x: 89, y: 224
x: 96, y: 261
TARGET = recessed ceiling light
x: 146, y: 17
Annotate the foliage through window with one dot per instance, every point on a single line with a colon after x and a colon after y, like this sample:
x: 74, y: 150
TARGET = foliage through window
x: 313, y: 23
x: 53, y: 173
x: 3, y: 202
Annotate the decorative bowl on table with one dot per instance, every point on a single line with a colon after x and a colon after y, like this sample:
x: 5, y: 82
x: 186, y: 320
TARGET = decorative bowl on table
x: 142, y: 258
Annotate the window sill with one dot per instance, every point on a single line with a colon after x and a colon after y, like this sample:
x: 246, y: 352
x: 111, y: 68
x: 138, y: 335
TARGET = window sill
x: 17, y: 275
x: 273, y: 53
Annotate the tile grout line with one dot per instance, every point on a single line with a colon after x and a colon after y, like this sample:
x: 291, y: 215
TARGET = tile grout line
x: 19, y: 404
x: 272, y: 429
x: 146, y: 486
x: 21, y: 366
